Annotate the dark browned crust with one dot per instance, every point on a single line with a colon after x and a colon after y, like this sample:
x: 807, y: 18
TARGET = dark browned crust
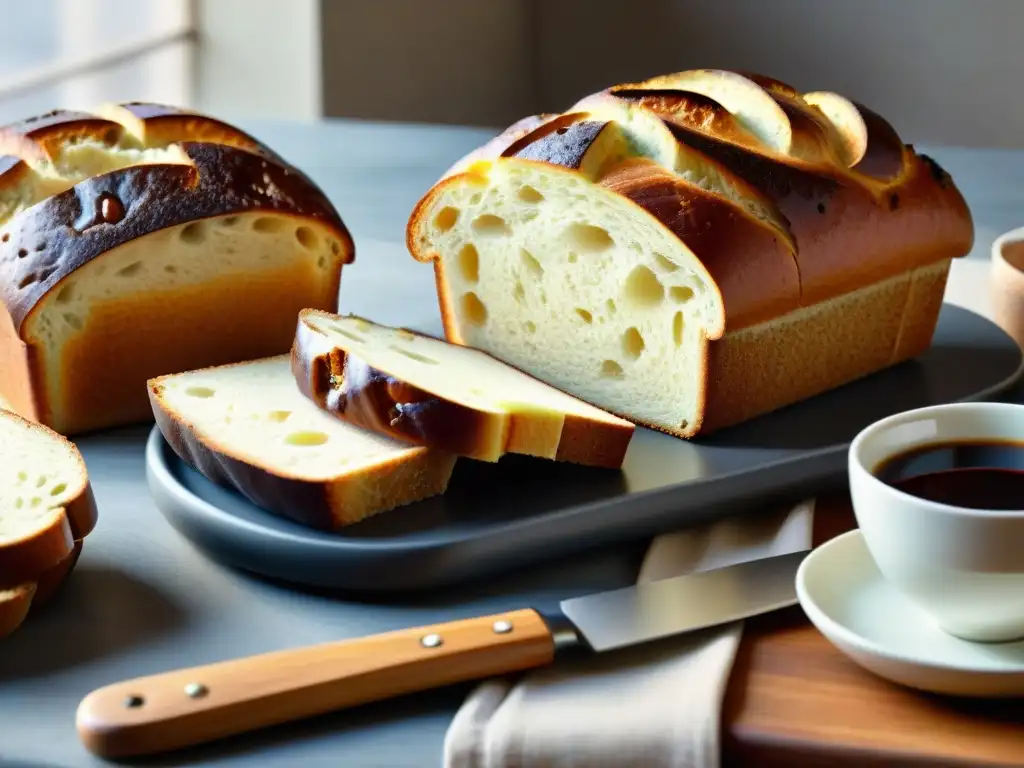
x: 885, y: 155
x: 303, y: 501
x: 496, y: 146
x: 48, y: 242
x: 51, y: 582
x: 847, y: 235
x: 351, y: 389
x: 39, y: 138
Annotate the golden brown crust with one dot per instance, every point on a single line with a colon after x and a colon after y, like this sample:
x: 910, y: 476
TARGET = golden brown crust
x: 316, y: 504
x: 39, y: 139
x: 48, y: 242
x: 349, y: 388
x: 752, y: 265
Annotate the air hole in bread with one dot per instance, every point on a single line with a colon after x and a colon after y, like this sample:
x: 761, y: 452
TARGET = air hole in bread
x: 469, y: 263
x: 533, y: 266
x: 36, y: 501
x: 132, y: 269
x: 585, y: 316
x: 40, y: 481
x: 339, y: 329
x: 473, y: 309
x: 278, y: 416
x: 489, y: 225
x: 307, y: 438
x: 677, y: 329
x: 611, y: 370
x: 228, y: 221
x: 446, y: 218
x: 531, y: 327
x: 22, y: 253
x: 67, y: 293
x: 665, y: 263
x: 307, y: 238
x: 170, y: 269
x: 73, y: 320
x: 632, y: 343
x: 414, y: 355
x: 22, y: 477
x: 268, y: 224
x: 588, y: 238
x: 642, y: 288
x: 200, y: 392
x: 529, y: 194
x: 476, y: 198
x: 27, y: 280
x: 519, y: 292
x: 194, y: 233
x: 58, y: 489
x: 573, y: 257
x: 680, y: 293
x: 19, y: 503
x: 610, y: 306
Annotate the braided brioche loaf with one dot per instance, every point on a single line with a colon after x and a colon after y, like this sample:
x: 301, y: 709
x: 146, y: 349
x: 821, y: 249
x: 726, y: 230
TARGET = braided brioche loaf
x: 143, y: 240
x: 694, y: 250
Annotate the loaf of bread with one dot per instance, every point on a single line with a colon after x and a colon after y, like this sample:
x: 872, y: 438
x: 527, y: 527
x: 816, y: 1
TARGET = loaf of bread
x: 47, y: 508
x: 447, y: 397
x: 694, y: 250
x: 143, y: 240
x: 248, y: 427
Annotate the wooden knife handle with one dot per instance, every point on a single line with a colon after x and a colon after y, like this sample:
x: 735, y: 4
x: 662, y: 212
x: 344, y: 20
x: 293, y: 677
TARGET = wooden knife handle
x: 176, y: 709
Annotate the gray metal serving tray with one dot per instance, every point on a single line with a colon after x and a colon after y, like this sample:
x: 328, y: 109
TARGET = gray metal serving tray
x: 496, y: 517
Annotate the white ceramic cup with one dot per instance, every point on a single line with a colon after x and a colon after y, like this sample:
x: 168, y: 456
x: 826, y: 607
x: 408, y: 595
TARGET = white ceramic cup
x: 964, y: 567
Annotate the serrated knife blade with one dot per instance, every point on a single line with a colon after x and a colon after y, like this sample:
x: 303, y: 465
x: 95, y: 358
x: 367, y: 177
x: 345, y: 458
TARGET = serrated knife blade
x: 171, y: 710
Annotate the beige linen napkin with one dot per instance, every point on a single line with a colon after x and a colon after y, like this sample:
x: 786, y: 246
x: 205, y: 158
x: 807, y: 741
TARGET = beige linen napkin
x: 656, y: 706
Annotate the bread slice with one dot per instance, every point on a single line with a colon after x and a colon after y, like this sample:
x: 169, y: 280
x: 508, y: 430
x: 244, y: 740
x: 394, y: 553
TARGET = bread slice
x: 46, y: 500
x: 443, y: 396
x: 18, y: 602
x: 247, y: 426
x: 695, y: 250
x: 146, y: 241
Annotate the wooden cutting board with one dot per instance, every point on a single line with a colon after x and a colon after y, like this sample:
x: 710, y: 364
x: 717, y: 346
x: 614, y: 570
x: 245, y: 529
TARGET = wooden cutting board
x: 795, y: 701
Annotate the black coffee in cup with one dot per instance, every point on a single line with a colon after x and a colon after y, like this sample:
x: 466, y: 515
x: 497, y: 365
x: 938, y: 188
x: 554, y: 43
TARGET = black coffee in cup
x: 980, y: 474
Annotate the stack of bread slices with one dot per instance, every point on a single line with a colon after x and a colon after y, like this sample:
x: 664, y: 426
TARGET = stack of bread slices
x: 684, y: 253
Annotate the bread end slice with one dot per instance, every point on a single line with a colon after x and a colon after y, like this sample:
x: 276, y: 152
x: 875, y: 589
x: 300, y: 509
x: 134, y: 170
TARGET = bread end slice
x: 246, y: 426
x: 443, y: 396
x: 14, y: 607
x: 46, y: 500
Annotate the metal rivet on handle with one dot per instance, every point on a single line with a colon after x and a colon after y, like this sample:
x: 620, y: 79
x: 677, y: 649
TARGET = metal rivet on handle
x: 133, y: 701
x: 502, y: 627
x: 431, y: 641
x: 196, y: 690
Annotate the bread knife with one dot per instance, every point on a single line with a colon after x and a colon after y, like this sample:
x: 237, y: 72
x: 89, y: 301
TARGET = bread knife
x: 171, y: 710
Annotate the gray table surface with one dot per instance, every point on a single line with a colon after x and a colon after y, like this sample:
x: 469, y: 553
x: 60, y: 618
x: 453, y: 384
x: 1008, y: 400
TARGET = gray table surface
x: 142, y: 600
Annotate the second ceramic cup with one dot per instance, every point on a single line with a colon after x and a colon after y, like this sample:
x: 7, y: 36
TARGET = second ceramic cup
x: 1006, y: 283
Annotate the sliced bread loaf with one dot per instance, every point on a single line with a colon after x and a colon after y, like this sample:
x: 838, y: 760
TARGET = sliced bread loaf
x: 46, y: 500
x: 695, y: 250
x: 440, y: 395
x: 247, y: 426
x: 17, y: 602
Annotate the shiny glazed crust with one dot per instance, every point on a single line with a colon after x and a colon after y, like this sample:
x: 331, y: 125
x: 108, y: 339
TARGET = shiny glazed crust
x: 369, y: 398
x: 830, y: 266
x: 223, y: 173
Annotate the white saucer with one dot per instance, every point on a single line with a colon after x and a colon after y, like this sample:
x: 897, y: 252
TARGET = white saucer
x: 846, y: 598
